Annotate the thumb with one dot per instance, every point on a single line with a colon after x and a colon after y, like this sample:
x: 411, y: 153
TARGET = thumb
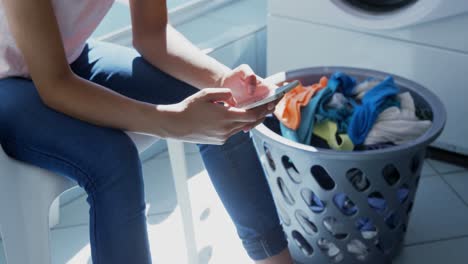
x: 248, y: 77
x: 245, y: 71
x: 217, y: 95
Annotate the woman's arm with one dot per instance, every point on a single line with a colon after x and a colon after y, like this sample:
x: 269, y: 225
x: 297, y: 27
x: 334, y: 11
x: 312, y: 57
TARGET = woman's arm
x: 36, y: 32
x: 164, y: 47
x: 196, y: 119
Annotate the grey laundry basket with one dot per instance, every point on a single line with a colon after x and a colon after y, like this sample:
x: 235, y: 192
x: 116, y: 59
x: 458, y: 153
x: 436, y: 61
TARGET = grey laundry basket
x: 306, y: 181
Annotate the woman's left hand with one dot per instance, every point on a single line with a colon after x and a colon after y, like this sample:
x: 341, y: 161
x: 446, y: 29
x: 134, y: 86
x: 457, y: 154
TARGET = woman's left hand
x: 246, y: 87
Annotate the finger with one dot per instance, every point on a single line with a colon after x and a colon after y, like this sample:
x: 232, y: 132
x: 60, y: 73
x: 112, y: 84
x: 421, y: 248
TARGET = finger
x: 251, y: 126
x: 245, y: 71
x: 216, y: 94
x: 232, y: 102
x: 246, y: 116
x: 248, y: 77
x: 251, y: 83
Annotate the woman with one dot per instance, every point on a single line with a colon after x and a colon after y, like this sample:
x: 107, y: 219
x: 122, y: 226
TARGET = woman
x: 65, y: 102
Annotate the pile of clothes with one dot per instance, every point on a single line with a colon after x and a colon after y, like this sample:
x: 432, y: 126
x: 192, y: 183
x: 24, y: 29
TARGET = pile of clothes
x: 341, y: 114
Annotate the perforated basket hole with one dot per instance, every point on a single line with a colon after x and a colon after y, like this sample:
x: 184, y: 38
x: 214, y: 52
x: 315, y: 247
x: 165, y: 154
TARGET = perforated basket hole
x: 392, y: 220
x: 416, y: 162
x: 391, y: 174
x: 330, y: 250
x: 384, y: 245
x: 367, y: 228
x: 269, y: 158
x: 358, y: 249
x: 302, y: 243
x: 313, y: 201
x: 291, y: 169
x: 307, y: 225
x: 334, y: 227
x: 284, y: 217
x: 285, y: 192
x: 377, y: 202
x: 345, y: 204
x: 322, y: 177
x: 403, y: 193
x: 357, y: 178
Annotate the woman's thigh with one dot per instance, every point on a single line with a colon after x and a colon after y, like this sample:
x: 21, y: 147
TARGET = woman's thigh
x: 125, y: 71
x: 32, y: 132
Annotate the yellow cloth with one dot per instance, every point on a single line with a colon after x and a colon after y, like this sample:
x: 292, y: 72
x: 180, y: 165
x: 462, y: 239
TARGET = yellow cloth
x: 327, y: 130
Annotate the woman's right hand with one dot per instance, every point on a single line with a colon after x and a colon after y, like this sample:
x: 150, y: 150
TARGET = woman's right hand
x: 200, y: 118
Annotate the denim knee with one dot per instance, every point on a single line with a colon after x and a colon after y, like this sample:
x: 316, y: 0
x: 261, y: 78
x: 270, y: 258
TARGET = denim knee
x: 269, y: 244
x: 117, y: 175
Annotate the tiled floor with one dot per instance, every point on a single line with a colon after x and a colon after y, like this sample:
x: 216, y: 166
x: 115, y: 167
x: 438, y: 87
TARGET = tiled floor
x: 437, y: 233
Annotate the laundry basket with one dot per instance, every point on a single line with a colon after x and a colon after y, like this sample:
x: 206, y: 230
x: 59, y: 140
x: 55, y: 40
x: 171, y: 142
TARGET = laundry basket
x: 341, y: 206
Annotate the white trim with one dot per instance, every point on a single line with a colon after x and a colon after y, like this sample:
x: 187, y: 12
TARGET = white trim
x: 177, y: 16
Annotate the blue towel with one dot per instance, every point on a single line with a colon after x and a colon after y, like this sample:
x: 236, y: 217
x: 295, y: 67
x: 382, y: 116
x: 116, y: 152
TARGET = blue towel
x: 337, y: 82
x: 373, y: 103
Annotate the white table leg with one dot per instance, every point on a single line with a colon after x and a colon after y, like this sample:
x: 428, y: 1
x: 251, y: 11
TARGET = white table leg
x: 179, y: 170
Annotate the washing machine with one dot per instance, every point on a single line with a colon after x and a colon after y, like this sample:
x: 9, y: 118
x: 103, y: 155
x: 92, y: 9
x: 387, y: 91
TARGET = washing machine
x: 422, y: 40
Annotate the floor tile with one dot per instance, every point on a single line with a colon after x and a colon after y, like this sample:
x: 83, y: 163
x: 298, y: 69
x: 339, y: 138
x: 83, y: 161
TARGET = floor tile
x: 437, y: 214
x: 450, y: 251
x: 222, y: 246
x: 443, y: 167
x: 427, y: 170
x: 159, y: 185
x: 67, y: 250
x: 117, y: 18
x: 165, y: 233
x: 459, y: 182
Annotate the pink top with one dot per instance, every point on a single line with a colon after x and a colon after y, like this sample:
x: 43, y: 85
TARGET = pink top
x: 77, y: 19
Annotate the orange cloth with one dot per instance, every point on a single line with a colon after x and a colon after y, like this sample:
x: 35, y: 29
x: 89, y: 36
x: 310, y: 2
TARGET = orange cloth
x: 288, y: 110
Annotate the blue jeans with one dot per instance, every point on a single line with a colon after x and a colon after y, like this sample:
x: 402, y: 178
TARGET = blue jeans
x: 105, y: 162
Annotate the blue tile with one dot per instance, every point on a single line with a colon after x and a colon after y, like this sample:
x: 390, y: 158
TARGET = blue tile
x: 450, y: 252
x: 252, y: 13
x: 261, y: 43
x: 207, y: 32
x: 239, y: 52
x: 437, y: 213
x: 459, y: 182
x: 117, y: 18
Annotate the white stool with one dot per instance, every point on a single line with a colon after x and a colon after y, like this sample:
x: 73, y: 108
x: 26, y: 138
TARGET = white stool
x: 29, y: 193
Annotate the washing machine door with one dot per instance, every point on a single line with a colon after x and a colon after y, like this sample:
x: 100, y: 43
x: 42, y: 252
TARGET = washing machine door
x: 391, y: 14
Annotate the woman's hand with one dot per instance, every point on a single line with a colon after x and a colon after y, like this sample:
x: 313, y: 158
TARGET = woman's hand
x: 201, y: 118
x: 246, y: 87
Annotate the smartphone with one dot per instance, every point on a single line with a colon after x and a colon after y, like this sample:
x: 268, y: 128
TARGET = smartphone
x: 278, y: 93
